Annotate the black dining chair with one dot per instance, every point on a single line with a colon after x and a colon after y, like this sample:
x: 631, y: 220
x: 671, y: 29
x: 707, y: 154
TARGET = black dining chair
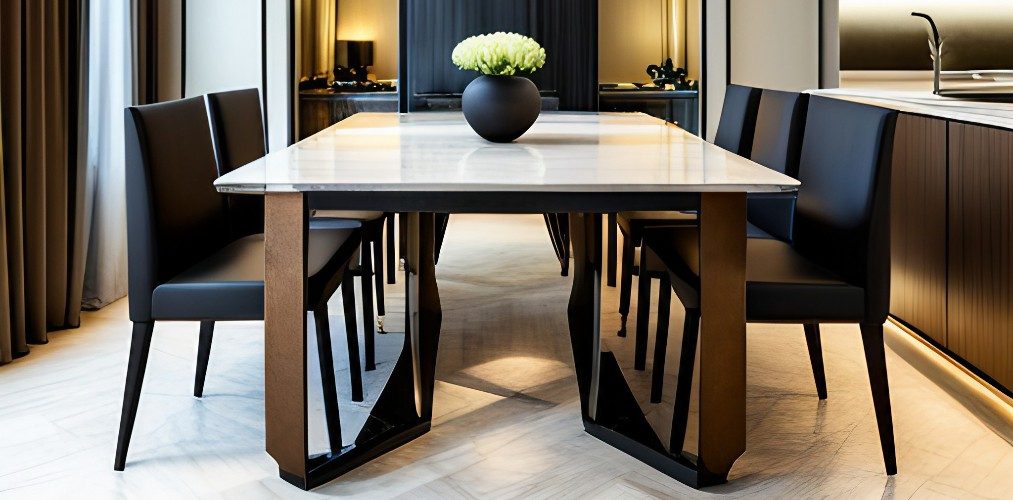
x: 836, y: 269
x: 185, y: 265
x: 735, y: 134
x: 238, y: 130
x: 777, y: 145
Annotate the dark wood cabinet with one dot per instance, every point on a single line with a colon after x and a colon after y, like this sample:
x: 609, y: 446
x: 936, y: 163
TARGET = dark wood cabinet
x: 952, y: 239
x: 980, y: 278
x: 918, y: 225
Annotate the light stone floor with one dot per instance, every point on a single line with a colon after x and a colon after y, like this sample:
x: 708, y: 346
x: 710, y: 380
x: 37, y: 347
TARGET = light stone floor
x: 507, y: 422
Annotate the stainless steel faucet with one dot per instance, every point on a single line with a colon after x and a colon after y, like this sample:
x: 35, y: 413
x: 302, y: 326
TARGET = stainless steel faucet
x: 936, y: 48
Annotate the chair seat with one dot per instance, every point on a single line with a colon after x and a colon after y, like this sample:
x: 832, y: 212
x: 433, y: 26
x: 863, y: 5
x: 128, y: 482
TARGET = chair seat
x: 781, y: 285
x: 229, y: 285
x: 654, y: 265
x: 360, y: 215
x: 633, y: 223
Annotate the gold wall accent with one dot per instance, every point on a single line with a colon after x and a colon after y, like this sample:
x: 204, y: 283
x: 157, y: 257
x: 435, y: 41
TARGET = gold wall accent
x: 375, y: 20
x: 633, y: 34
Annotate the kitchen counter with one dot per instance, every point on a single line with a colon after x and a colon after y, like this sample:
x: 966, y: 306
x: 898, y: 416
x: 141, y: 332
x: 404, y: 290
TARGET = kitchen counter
x: 991, y: 113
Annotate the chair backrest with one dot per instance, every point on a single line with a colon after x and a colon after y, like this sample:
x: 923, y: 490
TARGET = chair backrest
x: 842, y: 216
x: 777, y: 138
x: 175, y: 217
x: 237, y: 124
x: 238, y: 129
x: 738, y: 119
x: 777, y: 144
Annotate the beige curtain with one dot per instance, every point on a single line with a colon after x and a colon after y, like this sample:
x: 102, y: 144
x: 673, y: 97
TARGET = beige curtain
x: 318, y: 24
x: 41, y: 240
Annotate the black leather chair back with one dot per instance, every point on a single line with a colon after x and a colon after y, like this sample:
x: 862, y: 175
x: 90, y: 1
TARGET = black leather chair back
x: 238, y: 128
x: 842, y: 217
x: 738, y: 119
x: 777, y: 144
x: 777, y: 139
x: 175, y: 218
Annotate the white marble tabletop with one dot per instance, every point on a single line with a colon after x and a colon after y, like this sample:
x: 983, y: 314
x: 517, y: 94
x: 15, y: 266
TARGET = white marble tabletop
x: 563, y: 152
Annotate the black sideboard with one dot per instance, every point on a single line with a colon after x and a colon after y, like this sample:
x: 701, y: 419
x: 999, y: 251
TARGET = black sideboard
x: 321, y: 108
x: 677, y: 106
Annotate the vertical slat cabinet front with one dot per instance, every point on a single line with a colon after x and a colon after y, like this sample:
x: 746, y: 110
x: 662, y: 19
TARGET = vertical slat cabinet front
x: 980, y: 292
x: 918, y: 222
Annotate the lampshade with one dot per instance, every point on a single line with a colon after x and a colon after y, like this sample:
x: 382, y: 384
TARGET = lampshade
x: 353, y: 53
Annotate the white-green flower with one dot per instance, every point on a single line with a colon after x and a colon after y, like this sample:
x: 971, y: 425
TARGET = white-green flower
x: 499, y: 54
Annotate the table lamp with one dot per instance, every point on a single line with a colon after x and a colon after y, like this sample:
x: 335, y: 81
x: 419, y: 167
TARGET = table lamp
x: 355, y: 55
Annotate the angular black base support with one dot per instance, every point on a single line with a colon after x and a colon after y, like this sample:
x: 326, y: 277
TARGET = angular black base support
x: 324, y: 468
x: 680, y: 468
x: 622, y: 425
x: 404, y: 408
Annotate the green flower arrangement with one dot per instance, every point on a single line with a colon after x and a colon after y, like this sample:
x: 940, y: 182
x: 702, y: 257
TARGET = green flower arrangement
x: 499, y: 54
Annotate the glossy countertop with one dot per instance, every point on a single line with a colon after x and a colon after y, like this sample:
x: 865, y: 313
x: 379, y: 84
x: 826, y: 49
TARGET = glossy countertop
x: 991, y: 113
x: 562, y: 152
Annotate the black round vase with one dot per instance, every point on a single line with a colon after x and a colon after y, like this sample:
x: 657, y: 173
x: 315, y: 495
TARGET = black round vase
x: 501, y: 108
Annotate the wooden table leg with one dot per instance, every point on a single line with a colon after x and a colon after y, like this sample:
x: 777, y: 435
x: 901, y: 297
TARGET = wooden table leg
x: 722, y: 334
x: 285, y: 233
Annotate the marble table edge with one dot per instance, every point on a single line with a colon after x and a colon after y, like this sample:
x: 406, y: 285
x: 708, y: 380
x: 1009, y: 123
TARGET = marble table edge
x: 227, y: 188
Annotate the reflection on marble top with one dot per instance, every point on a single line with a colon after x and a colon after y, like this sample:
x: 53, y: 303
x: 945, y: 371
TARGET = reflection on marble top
x: 437, y: 151
x: 992, y: 113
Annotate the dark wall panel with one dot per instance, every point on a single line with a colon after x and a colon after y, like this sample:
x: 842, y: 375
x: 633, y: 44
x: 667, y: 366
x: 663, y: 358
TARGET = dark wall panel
x: 438, y: 25
x: 568, y: 29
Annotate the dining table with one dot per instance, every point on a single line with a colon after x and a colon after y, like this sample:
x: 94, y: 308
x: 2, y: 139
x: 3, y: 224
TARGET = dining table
x: 583, y: 164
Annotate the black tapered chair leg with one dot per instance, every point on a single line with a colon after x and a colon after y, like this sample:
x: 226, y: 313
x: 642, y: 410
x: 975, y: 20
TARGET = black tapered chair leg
x: 612, y: 243
x: 661, y: 340
x: 390, y: 253
x: 875, y: 360
x: 352, y: 335
x: 812, y: 341
x: 368, y: 319
x: 643, y: 316
x: 684, y: 382
x: 402, y: 241
x: 329, y: 386
x: 378, y: 270
x: 564, y: 239
x: 207, y: 330
x: 140, y: 344
x: 625, y: 283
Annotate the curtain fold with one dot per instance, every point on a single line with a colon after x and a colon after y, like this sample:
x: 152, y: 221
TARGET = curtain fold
x: 41, y: 250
